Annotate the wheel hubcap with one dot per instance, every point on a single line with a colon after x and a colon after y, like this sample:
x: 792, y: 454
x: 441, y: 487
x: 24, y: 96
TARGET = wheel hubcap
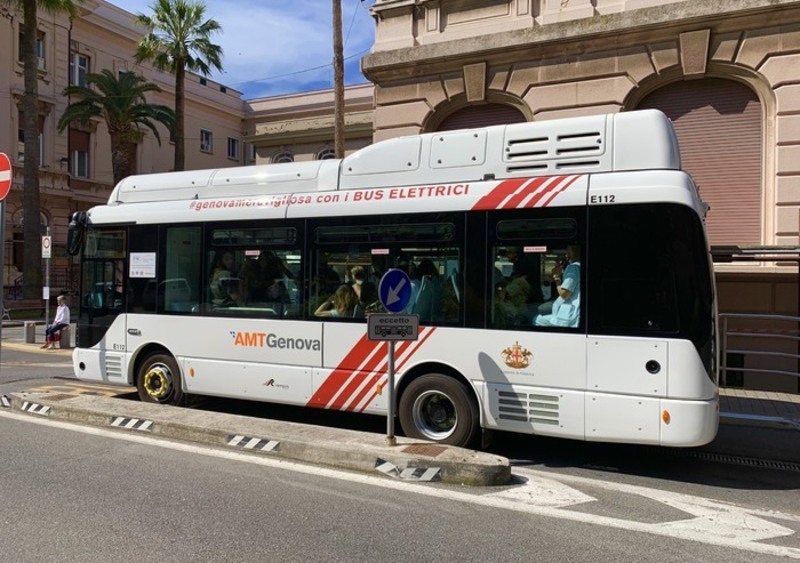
x: 158, y: 382
x: 435, y: 415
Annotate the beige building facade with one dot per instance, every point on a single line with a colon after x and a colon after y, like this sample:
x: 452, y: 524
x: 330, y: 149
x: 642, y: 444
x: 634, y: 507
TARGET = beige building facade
x: 75, y: 168
x: 726, y: 72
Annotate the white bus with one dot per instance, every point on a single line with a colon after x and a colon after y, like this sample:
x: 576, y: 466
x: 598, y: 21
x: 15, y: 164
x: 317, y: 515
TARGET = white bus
x: 560, y: 270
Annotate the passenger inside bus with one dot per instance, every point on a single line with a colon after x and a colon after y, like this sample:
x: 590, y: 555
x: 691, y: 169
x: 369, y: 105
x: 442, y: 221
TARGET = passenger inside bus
x: 567, y: 281
x: 365, y: 289
x: 222, y: 270
x: 342, y: 304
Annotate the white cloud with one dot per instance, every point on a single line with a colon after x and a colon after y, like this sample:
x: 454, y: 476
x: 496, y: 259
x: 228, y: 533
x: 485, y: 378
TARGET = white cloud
x: 282, y: 46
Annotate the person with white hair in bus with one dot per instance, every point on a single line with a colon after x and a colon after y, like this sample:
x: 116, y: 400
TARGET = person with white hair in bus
x: 567, y: 281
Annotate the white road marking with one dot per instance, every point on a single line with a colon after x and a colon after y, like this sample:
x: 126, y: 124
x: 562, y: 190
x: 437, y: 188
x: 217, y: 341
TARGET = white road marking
x: 715, y: 523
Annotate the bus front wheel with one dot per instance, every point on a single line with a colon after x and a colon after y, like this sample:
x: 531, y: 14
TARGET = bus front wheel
x: 159, y: 380
x: 439, y: 408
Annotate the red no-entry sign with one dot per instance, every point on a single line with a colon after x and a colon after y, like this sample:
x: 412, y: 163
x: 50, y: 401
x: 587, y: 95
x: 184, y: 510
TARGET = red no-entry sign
x: 5, y: 176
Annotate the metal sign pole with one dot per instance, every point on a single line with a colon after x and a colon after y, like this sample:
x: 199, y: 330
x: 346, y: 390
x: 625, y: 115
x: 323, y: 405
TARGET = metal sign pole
x: 390, y: 438
x: 2, y: 265
x: 46, y: 289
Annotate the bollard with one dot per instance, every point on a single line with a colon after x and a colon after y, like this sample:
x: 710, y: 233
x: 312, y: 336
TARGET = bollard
x: 65, y: 341
x: 30, y: 333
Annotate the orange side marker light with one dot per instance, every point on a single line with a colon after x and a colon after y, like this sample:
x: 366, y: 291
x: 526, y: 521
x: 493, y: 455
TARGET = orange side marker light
x: 665, y: 416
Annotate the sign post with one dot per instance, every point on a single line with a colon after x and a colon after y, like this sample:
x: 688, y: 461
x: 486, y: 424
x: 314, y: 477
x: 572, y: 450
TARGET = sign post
x: 6, y: 177
x: 47, y: 242
x: 395, y: 292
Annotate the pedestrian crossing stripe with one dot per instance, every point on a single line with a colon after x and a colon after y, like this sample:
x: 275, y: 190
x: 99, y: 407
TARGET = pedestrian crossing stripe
x: 250, y: 443
x: 4, y: 402
x: 423, y: 474
x: 131, y: 423
x: 35, y: 408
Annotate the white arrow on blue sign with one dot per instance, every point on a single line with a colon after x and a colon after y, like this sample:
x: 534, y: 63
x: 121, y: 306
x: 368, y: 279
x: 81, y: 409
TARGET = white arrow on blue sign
x: 395, y: 291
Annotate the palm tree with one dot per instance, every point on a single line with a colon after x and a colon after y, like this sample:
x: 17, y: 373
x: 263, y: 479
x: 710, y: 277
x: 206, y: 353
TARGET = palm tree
x: 179, y: 39
x: 31, y: 201
x: 121, y: 102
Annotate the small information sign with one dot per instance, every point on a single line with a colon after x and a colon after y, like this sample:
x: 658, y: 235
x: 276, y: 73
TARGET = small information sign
x: 392, y: 327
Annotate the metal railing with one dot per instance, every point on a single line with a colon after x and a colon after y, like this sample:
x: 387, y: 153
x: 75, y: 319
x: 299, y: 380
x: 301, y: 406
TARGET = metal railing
x: 760, y: 351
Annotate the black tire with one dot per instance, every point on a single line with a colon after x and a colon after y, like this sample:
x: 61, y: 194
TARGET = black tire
x: 159, y: 381
x: 441, y: 409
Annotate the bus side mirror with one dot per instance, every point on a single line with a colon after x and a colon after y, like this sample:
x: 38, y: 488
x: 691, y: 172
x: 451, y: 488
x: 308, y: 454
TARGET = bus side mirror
x: 76, y: 232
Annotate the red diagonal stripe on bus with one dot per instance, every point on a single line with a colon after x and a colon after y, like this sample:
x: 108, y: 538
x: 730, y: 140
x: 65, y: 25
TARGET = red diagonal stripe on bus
x: 423, y: 337
x: 358, y: 377
x: 517, y: 199
x: 339, y: 375
x: 498, y: 194
x: 549, y: 195
x: 373, y: 374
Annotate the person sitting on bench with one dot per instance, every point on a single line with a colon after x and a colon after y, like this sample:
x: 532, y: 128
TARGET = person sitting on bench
x: 61, y: 321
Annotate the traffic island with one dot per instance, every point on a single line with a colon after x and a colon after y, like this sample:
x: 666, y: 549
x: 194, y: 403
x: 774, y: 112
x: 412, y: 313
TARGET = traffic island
x: 410, y: 460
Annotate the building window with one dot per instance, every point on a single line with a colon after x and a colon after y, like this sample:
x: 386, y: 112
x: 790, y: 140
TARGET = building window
x: 78, y: 68
x: 39, y: 49
x: 251, y: 152
x: 283, y: 157
x: 206, y: 140
x: 233, y: 148
x: 21, y: 139
x: 326, y: 154
x: 203, y: 81
x: 79, y: 153
x: 80, y: 164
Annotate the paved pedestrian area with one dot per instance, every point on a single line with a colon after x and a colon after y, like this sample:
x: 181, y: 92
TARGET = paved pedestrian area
x: 761, y: 404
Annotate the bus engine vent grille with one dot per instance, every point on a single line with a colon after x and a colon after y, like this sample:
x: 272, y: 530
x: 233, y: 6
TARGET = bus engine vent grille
x: 113, y: 366
x: 528, y: 407
x: 577, y: 149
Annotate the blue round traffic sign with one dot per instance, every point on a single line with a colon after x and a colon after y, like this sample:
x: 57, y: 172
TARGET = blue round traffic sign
x: 395, y: 291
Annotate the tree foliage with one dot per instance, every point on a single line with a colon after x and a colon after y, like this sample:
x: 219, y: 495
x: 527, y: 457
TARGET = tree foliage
x: 179, y: 38
x: 120, y: 101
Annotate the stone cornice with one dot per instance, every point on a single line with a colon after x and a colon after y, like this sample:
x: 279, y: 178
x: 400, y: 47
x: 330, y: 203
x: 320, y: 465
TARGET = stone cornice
x: 616, y: 26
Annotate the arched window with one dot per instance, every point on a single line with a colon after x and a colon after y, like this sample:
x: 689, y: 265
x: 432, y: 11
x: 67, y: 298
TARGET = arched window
x: 481, y: 115
x: 326, y: 154
x: 719, y: 128
x: 282, y: 157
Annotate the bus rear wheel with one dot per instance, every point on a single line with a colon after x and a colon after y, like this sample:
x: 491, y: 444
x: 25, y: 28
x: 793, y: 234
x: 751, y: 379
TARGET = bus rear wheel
x: 439, y: 408
x: 159, y: 380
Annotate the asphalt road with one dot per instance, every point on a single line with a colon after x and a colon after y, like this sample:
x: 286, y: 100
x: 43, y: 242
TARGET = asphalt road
x: 81, y: 495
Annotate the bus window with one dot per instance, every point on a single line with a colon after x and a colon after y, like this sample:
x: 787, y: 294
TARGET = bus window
x: 535, y: 274
x: 428, y: 252
x: 178, y: 290
x: 254, y: 272
x: 654, y: 256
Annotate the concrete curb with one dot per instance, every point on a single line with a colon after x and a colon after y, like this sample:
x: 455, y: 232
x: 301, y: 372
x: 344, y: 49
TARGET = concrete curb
x: 345, y: 449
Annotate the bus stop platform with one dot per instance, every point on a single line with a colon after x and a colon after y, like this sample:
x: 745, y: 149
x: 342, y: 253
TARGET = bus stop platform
x: 364, y: 452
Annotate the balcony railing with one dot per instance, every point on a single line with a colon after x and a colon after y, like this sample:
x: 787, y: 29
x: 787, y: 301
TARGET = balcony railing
x: 760, y: 352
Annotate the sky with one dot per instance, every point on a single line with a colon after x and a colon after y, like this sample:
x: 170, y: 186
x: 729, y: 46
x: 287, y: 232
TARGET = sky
x: 273, y: 47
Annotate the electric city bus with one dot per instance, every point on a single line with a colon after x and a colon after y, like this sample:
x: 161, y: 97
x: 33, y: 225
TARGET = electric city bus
x: 560, y: 271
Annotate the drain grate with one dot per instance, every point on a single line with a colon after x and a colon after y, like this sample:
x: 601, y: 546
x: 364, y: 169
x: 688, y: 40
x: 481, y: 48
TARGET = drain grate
x: 739, y: 460
x: 60, y: 397
x: 424, y: 449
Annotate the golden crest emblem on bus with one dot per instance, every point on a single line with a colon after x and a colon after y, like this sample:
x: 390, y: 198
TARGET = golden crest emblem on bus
x: 516, y: 356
